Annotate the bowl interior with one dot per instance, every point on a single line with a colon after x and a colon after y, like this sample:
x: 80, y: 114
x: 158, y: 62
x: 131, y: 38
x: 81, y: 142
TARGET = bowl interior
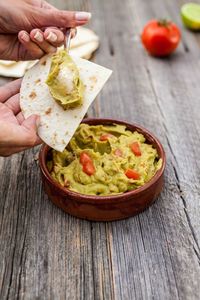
x: 150, y: 139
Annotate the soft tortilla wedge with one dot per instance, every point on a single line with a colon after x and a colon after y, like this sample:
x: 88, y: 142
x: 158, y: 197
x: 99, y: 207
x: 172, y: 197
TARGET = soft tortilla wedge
x: 56, y: 125
x: 85, y: 50
x: 83, y: 36
x: 15, y: 69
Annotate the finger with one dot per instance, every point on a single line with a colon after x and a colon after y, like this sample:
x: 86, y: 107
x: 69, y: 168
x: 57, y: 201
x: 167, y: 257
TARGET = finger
x: 16, y: 136
x: 20, y: 118
x: 31, y: 125
x: 54, y: 36
x: 37, y: 36
x: 59, y: 18
x: 13, y: 104
x: 7, y: 151
x: 9, y: 90
x: 31, y: 49
x: 24, y: 136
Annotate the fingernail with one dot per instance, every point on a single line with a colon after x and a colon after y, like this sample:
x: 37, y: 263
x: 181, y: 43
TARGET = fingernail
x: 38, y: 36
x: 52, y: 37
x: 25, y: 37
x: 82, y: 16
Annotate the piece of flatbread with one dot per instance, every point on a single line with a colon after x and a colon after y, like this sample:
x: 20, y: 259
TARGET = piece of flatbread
x: 57, y: 126
x: 15, y: 69
x: 85, y: 50
x: 84, y: 36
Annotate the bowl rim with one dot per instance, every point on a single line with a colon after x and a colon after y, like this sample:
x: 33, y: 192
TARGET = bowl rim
x: 119, y: 197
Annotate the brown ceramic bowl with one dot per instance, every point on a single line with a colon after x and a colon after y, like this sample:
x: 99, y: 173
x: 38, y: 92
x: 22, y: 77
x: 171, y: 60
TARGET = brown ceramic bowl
x: 105, y: 208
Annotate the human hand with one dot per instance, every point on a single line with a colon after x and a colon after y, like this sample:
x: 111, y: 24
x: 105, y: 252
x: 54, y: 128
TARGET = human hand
x: 16, y: 134
x: 23, y: 28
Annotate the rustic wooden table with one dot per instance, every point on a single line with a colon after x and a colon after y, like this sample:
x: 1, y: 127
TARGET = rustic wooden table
x: 47, y: 254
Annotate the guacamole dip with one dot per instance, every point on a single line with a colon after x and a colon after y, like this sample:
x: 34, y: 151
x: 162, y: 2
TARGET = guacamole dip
x: 64, y: 81
x: 104, y: 160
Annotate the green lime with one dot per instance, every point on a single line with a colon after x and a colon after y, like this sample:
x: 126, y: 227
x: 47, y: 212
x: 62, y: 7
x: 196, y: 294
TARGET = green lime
x: 190, y: 13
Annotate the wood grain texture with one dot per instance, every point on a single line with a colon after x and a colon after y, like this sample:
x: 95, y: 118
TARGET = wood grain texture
x: 46, y: 254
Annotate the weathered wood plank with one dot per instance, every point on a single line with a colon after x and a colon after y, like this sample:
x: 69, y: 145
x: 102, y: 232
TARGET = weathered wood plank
x: 46, y: 254
x: 170, y: 253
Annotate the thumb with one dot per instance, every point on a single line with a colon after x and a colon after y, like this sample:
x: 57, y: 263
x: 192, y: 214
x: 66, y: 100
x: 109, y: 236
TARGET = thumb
x: 60, y: 18
x: 31, y: 123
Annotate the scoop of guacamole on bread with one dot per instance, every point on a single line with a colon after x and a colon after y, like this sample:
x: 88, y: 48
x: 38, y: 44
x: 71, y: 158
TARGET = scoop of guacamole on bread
x: 104, y: 160
x: 64, y: 81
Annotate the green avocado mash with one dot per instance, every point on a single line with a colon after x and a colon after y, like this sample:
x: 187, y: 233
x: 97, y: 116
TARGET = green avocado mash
x: 121, y: 161
x: 64, y: 81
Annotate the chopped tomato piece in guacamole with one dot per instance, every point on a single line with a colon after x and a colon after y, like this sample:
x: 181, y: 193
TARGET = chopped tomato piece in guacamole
x: 132, y: 174
x: 135, y: 147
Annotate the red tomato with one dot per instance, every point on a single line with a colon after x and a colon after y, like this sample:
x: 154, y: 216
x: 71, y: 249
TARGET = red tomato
x: 84, y: 158
x: 160, y: 38
x: 135, y: 148
x: 89, y: 168
x: 132, y: 174
x: 118, y: 152
x: 104, y: 137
